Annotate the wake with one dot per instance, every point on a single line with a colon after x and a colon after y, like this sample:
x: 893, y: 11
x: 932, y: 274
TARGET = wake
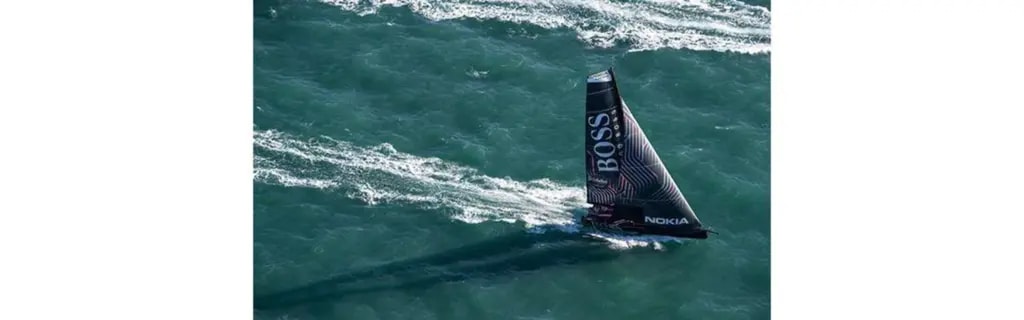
x: 719, y: 25
x: 382, y: 175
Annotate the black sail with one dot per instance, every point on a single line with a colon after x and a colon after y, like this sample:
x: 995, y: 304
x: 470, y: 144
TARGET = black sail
x: 622, y: 167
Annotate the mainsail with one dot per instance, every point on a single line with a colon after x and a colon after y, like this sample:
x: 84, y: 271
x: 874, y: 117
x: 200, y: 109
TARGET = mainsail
x: 623, y: 170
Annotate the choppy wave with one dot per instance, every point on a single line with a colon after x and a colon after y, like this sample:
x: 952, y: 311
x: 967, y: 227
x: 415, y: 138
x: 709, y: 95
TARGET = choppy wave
x: 381, y: 174
x: 719, y: 25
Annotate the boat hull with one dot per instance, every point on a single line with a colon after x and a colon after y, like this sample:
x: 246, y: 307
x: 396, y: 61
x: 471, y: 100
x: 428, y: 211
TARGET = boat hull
x: 606, y: 223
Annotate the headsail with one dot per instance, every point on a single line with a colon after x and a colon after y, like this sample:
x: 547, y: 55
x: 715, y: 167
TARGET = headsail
x: 622, y: 167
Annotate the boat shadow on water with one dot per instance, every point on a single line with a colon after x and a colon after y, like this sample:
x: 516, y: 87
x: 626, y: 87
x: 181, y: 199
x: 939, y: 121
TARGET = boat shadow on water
x: 501, y: 256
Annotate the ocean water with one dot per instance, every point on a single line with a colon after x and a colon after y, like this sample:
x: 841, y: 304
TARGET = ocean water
x: 422, y: 159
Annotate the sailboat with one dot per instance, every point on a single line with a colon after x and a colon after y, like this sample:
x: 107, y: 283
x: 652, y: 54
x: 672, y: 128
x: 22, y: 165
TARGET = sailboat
x: 628, y: 186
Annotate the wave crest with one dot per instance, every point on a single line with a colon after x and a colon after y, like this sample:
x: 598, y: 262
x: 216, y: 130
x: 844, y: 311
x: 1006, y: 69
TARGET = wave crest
x: 719, y: 25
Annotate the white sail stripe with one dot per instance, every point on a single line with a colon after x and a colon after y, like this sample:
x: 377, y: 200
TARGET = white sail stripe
x: 635, y: 154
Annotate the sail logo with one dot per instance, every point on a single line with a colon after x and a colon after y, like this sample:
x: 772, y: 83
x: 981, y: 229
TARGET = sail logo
x: 660, y: 220
x: 603, y: 148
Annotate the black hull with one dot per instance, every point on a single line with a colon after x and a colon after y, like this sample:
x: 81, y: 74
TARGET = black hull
x: 642, y: 228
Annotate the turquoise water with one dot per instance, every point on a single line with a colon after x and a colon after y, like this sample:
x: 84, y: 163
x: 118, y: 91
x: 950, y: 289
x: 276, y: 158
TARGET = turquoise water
x: 423, y: 159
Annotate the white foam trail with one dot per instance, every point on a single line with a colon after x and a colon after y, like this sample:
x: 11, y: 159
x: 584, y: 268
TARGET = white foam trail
x: 720, y: 25
x: 628, y: 242
x: 381, y: 174
x: 262, y: 172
